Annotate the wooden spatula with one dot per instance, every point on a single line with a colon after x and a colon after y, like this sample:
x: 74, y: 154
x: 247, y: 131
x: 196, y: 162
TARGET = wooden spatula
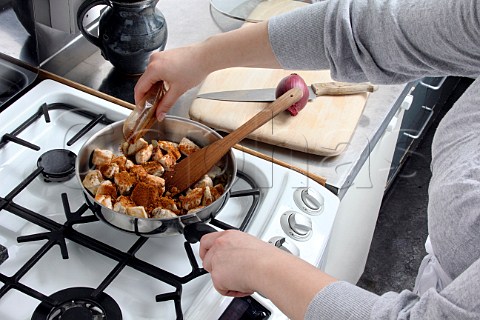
x: 192, y: 168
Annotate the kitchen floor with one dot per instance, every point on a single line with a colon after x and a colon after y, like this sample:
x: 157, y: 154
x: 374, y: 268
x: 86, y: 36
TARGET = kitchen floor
x: 398, y: 243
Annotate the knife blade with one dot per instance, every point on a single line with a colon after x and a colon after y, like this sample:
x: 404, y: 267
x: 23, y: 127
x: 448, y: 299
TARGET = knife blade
x: 268, y: 94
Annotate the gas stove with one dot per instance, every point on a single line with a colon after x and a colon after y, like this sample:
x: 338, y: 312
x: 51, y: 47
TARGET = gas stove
x: 63, y: 263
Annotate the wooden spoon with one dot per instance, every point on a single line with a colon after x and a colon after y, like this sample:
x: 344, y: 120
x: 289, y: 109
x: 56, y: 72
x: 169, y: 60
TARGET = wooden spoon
x: 142, y: 117
x: 192, y: 168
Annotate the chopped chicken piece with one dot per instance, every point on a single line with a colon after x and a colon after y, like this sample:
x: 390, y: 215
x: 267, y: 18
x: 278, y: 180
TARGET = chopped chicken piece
x: 167, y: 203
x: 92, y: 181
x: 138, y: 172
x: 122, y: 203
x: 109, y: 170
x: 217, y: 191
x: 138, y: 211
x: 170, y: 147
x: 144, y: 154
x: 167, y: 161
x: 121, y: 161
x: 135, y: 147
x: 155, y: 181
x: 153, y: 167
x: 124, y: 147
x: 187, y: 146
x: 195, y: 210
x: 206, y: 181
x: 145, y: 195
x: 157, y: 153
x: 125, y: 182
x: 101, y: 157
x: 215, y: 172
x: 104, y: 200
x: 208, y: 198
x: 107, y: 188
x: 129, y: 164
x: 106, y: 192
x: 192, y: 199
x: 161, y: 213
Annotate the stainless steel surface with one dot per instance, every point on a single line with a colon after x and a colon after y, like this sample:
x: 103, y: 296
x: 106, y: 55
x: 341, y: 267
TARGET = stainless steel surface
x: 252, y: 95
x: 43, y: 35
x: 171, y: 129
x: 13, y: 80
x: 339, y: 171
x: 18, y: 40
x: 61, y: 61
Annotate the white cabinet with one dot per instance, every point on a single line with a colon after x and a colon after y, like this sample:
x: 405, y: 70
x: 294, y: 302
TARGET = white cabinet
x: 356, y: 218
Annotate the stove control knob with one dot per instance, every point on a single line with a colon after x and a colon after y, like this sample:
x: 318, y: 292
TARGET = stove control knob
x: 285, y: 245
x: 296, y: 225
x: 309, y: 200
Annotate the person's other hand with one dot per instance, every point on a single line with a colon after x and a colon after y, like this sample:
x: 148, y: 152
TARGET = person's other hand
x: 181, y: 69
x: 236, y: 261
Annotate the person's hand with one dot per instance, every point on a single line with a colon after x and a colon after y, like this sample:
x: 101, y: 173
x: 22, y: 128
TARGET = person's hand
x: 235, y: 260
x: 184, y: 68
x: 241, y: 264
x: 181, y: 70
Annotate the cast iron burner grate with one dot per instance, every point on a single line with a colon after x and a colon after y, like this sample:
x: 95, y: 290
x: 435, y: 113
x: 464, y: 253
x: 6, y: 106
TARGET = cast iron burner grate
x: 79, y: 304
x: 57, y: 234
x: 58, y: 165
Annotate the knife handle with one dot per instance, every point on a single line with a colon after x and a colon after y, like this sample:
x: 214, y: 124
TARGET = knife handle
x: 341, y: 88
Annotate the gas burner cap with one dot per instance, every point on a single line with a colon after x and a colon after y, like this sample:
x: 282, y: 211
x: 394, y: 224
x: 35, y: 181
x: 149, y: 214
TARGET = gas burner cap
x: 78, y: 304
x: 58, y: 165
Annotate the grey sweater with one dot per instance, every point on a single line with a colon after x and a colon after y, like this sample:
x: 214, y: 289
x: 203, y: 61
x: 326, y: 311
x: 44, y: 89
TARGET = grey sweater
x: 396, y: 41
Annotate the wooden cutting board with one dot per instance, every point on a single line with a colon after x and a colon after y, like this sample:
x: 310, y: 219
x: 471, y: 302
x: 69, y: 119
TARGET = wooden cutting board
x: 324, y: 127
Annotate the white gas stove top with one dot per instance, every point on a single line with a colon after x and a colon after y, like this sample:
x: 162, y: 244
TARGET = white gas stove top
x: 65, y: 264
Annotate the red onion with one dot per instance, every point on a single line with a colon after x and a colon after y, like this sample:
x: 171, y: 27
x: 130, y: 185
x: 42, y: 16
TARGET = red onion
x: 293, y: 81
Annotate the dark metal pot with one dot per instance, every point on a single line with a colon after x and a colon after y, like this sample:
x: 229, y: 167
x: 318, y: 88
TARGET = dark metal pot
x: 173, y: 129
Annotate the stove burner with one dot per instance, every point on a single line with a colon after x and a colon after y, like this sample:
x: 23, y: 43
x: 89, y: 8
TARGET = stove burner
x: 58, y: 165
x: 78, y: 304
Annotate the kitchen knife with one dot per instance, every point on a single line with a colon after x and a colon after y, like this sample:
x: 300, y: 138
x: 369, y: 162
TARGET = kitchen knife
x: 268, y: 94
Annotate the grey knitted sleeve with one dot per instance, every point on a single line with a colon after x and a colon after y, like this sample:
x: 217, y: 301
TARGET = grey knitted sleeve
x: 382, y: 41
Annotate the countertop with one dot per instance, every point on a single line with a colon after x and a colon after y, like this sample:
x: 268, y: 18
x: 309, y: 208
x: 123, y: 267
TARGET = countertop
x: 192, y: 21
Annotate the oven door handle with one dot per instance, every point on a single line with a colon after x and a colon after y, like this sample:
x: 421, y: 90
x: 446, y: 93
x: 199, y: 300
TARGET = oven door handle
x: 416, y: 136
x: 429, y: 86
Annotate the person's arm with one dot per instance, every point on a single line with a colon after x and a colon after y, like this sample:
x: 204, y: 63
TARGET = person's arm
x: 184, y: 68
x: 381, y: 41
x: 240, y: 264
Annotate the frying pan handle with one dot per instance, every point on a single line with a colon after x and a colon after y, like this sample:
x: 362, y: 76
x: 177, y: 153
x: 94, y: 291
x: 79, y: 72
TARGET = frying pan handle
x: 193, y: 232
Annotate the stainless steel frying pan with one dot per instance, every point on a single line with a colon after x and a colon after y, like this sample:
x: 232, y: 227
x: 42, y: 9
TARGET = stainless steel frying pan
x: 172, y: 129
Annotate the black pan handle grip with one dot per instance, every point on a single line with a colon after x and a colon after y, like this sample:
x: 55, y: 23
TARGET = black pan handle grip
x: 195, y: 231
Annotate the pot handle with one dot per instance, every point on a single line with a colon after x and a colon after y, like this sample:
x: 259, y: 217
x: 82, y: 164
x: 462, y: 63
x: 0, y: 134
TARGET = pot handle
x: 82, y: 11
x: 193, y: 232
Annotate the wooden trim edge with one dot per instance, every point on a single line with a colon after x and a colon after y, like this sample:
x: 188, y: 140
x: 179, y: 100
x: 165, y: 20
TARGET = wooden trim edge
x: 48, y: 75
x: 317, y: 178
